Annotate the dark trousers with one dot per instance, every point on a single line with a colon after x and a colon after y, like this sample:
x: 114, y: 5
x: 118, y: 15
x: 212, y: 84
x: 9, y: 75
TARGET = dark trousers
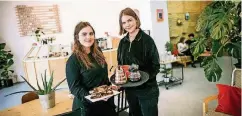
x: 189, y: 53
x: 143, y: 105
x: 102, y: 108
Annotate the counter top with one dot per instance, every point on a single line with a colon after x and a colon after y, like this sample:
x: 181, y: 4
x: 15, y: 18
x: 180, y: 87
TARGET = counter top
x: 109, y: 50
x: 33, y: 108
x: 32, y: 59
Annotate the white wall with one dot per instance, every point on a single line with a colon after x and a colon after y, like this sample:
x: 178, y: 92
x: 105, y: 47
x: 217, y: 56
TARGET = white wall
x: 160, y: 29
x: 103, y: 15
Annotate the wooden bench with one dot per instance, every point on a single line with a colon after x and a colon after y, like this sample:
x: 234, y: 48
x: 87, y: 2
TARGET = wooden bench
x: 184, y: 60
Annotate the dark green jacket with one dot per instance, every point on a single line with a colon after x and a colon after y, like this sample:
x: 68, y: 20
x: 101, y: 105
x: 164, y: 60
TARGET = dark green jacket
x: 81, y: 81
x: 142, y: 51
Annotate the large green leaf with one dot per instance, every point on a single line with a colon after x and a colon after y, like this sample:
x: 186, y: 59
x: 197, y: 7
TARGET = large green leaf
x: 234, y: 49
x: 10, y: 62
x: 9, y: 56
x: 212, y: 69
x: 220, y: 25
x: 198, y: 47
x: 2, y: 45
x: 216, y: 48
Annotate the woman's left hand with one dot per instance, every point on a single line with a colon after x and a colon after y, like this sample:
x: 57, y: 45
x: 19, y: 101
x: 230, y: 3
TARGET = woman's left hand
x: 106, y: 99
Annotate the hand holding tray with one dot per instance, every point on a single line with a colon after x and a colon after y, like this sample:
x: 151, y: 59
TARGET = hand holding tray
x: 102, y: 98
x: 144, y: 77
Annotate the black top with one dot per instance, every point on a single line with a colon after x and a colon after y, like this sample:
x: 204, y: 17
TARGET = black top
x: 81, y: 81
x: 142, y: 51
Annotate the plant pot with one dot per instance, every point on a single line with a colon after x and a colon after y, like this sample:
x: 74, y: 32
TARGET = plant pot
x: 47, y: 101
x: 166, y: 80
x: 8, y: 82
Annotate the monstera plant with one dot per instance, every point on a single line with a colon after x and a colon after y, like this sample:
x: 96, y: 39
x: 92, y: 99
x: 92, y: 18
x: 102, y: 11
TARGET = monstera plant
x: 218, y: 26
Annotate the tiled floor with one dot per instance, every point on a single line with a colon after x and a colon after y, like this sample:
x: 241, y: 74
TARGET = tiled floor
x: 181, y: 100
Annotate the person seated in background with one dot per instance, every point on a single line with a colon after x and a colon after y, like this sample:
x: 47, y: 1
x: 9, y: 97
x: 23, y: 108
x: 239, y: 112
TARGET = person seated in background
x: 190, y: 39
x: 183, y: 49
x: 182, y: 46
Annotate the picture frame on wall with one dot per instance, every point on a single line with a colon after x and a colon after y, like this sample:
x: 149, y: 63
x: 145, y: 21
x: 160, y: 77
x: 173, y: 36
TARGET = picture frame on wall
x: 147, y: 32
x: 159, y: 15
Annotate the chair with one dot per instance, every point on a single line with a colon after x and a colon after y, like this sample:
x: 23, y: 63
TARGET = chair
x: 29, y: 97
x: 122, y: 104
x: 236, y: 81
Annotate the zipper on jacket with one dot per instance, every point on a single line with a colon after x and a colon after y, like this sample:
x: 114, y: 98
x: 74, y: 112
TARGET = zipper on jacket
x: 130, y: 46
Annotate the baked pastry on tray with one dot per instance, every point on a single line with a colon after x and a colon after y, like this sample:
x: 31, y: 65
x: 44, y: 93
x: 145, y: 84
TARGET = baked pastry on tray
x: 101, y: 91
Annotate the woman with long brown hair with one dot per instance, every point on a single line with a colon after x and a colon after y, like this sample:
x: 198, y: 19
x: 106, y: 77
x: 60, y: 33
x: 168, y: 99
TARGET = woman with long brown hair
x: 86, y: 68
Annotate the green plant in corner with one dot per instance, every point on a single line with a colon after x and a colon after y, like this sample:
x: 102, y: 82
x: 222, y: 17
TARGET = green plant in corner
x: 169, y: 46
x: 6, y: 61
x: 219, y: 25
x: 47, y: 85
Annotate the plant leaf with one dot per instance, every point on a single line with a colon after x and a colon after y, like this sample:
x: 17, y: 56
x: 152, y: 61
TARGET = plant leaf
x: 44, y: 84
x: 198, y: 47
x: 234, y: 49
x: 50, y: 82
x: 38, y: 84
x: 10, y: 62
x: 2, y: 46
x: 58, y: 84
x: 215, y: 47
x: 9, y: 56
x: 28, y: 83
x: 17, y: 92
x: 212, y: 69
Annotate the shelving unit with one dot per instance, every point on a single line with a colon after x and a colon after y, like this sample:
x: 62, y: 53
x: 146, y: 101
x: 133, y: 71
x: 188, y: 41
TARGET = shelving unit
x: 41, y: 58
x: 172, y: 80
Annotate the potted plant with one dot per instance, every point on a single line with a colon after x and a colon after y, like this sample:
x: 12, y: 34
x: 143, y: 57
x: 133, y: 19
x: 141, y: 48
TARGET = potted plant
x: 167, y: 72
x: 46, y: 93
x: 169, y: 46
x: 6, y: 61
x: 218, y: 26
x: 38, y: 33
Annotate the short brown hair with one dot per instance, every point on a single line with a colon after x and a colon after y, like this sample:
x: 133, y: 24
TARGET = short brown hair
x: 130, y: 12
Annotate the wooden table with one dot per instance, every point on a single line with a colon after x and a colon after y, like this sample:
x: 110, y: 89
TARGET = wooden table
x: 33, y: 108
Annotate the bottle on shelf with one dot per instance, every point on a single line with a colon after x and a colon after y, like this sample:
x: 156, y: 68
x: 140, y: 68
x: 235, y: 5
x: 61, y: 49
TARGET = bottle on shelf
x: 109, y: 41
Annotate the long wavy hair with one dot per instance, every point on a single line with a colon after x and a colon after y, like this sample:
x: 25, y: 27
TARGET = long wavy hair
x: 80, y: 52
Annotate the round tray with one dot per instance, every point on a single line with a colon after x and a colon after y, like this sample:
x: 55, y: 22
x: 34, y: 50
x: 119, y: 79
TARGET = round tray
x: 143, y: 78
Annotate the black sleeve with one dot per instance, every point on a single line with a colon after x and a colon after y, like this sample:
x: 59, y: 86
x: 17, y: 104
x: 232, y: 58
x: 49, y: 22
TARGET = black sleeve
x: 74, y: 79
x: 153, y: 55
x: 119, y: 54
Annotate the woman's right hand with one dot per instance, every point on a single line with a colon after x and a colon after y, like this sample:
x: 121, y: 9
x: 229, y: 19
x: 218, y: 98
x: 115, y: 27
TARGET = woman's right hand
x: 116, y: 88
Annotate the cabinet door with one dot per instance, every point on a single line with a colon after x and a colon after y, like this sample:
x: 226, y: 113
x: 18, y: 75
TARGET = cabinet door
x: 59, y: 68
x: 114, y: 58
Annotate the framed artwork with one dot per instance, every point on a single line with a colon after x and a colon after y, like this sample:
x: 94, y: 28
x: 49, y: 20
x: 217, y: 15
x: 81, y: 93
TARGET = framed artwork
x: 159, y: 15
x: 147, y: 32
